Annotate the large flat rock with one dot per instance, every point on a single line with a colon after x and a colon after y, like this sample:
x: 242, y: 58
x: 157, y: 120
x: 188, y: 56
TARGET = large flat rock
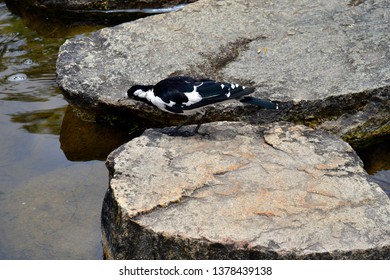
x: 242, y: 192
x: 319, y: 59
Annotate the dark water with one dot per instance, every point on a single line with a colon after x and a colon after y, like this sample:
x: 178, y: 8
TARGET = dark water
x: 52, y: 173
x: 377, y: 163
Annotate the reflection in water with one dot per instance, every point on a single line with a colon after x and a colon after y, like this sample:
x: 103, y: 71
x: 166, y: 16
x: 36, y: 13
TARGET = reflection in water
x: 376, y: 161
x: 41, y: 121
x: 376, y: 157
x: 39, y: 89
x: 82, y: 141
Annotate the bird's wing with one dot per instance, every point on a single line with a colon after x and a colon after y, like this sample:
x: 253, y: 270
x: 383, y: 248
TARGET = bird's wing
x: 215, y: 92
x: 174, y: 89
x: 189, y: 94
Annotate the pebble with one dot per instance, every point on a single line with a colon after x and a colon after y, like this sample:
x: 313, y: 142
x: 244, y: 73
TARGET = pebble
x: 17, y: 77
x: 28, y: 61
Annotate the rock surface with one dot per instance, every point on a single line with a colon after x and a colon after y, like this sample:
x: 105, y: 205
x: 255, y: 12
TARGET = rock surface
x: 242, y: 192
x: 321, y: 60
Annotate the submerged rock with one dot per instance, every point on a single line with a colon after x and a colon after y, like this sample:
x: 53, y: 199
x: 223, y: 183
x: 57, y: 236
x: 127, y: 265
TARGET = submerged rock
x: 324, y: 62
x: 242, y: 192
x: 17, y: 77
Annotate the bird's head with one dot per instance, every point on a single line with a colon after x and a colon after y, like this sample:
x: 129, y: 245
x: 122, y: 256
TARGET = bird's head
x: 139, y: 91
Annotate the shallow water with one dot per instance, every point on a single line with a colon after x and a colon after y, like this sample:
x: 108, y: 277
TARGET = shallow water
x: 52, y: 173
x: 51, y: 191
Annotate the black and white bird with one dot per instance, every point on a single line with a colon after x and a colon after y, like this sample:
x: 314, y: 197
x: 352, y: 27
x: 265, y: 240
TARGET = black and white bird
x: 186, y: 96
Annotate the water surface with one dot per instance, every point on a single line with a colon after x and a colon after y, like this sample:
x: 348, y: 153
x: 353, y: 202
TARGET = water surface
x: 51, y: 191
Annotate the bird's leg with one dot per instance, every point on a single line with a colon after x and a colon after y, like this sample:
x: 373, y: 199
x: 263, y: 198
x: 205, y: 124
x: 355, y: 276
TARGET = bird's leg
x: 176, y: 132
x: 196, y: 130
x: 191, y: 133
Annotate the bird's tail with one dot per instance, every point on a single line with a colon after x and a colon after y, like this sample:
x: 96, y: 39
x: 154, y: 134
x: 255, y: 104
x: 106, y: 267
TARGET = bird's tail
x: 259, y: 102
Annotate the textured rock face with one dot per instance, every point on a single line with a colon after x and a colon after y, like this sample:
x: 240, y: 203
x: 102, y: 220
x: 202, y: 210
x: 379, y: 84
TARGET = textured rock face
x: 320, y: 59
x: 242, y: 192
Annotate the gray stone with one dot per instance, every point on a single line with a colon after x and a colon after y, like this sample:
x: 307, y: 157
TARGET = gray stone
x: 242, y: 191
x: 321, y: 60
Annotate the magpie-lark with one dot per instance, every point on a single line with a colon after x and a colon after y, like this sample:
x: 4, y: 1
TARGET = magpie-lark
x: 186, y: 96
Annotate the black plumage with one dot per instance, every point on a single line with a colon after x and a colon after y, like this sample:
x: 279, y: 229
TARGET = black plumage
x: 185, y: 95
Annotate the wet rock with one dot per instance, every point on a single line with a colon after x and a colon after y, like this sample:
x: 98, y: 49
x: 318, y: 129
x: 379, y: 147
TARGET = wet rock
x: 322, y: 61
x: 242, y: 192
x: 98, y: 11
x: 94, y: 4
